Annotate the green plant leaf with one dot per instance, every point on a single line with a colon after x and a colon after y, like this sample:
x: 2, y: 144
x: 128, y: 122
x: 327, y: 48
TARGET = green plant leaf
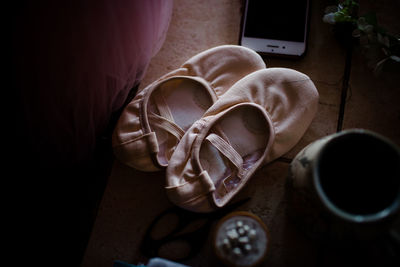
x: 371, y: 19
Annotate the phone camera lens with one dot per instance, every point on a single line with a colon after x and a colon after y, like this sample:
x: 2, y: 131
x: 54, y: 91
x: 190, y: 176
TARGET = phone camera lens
x: 283, y: 47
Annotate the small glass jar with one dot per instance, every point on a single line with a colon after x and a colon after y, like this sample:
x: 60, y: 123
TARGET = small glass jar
x: 241, y: 240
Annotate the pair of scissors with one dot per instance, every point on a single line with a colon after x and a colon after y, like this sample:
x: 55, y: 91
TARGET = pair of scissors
x: 178, y: 234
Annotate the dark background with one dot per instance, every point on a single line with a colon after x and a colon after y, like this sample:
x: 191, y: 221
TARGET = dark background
x: 277, y: 20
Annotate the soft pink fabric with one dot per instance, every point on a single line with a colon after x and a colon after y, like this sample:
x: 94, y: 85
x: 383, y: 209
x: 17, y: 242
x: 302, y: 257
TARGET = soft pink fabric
x: 215, y: 69
x: 286, y: 102
x: 77, y: 61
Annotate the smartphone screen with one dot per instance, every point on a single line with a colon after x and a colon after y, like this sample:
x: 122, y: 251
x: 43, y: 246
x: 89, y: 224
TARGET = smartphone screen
x: 277, y: 27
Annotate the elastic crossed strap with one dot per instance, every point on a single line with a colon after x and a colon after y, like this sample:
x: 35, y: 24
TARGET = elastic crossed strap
x: 165, y: 121
x: 228, y: 151
x: 166, y: 124
x: 202, y: 184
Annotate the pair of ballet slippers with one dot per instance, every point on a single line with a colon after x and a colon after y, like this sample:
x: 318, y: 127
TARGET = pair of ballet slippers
x: 213, y: 122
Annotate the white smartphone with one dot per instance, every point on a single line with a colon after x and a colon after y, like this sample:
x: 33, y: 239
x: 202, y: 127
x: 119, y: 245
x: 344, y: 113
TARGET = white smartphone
x: 276, y: 27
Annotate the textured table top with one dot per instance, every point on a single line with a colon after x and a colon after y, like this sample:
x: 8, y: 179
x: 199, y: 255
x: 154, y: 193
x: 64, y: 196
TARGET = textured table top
x: 351, y: 96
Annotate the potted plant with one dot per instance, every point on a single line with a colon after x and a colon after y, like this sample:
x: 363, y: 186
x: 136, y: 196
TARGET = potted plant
x: 380, y: 47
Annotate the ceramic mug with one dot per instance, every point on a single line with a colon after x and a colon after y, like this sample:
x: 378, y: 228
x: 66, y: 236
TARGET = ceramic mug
x: 345, y: 186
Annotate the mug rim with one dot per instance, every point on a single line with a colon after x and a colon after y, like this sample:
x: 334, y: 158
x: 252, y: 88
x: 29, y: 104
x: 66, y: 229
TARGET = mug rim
x: 332, y: 207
